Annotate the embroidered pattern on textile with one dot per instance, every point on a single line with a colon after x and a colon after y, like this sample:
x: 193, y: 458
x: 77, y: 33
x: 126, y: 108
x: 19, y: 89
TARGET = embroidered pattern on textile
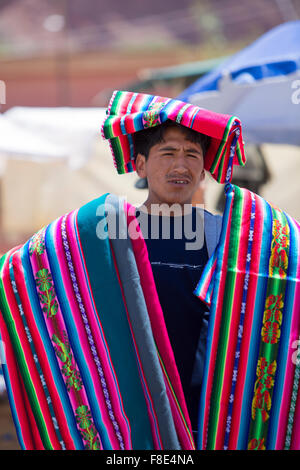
x: 37, y: 242
x: 257, y: 444
x: 87, y: 429
x: 69, y: 370
x: 272, y: 319
x: 47, y: 295
x: 265, y: 382
x: 151, y: 117
x: 279, y: 249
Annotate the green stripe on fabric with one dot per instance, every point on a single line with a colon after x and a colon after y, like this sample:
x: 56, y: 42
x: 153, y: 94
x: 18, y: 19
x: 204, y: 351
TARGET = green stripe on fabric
x: 222, y: 145
x: 118, y: 153
x: 229, y: 292
x: 20, y: 357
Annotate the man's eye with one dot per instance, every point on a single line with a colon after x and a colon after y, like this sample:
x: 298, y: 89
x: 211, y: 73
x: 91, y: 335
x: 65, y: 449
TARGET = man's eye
x: 193, y: 156
x: 167, y: 154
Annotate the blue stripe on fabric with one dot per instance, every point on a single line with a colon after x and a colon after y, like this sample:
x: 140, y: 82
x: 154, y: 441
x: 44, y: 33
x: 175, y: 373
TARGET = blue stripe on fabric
x: 257, y: 324
x: 132, y: 100
x: 12, y: 404
x: 284, y: 337
x: 52, y: 359
x: 211, y: 322
x: 194, y: 117
x: 131, y: 146
x: 122, y: 125
x: 101, y: 333
x: 74, y: 338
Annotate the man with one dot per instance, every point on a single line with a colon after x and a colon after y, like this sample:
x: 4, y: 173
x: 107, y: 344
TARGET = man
x: 76, y: 312
x: 172, y: 143
x: 171, y: 157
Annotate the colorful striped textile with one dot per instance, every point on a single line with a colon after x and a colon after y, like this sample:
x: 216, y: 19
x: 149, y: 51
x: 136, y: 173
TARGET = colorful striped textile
x: 250, y: 397
x: 129, y: 112
x: 88, y: 362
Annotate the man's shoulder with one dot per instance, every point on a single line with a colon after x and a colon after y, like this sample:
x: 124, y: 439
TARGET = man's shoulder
x: 212, y: 229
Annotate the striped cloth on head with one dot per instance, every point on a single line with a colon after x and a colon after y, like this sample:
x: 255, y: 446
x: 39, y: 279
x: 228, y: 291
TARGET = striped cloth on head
x: 130, y: 112
x: 250, y: 393
x: 88, y: 363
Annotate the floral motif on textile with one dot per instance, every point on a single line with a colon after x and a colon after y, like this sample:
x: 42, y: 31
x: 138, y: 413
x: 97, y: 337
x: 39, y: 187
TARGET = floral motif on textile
x: 87, y: 428
x: 272, y: 319
x: 279, y: 249
x: 37, y: 242
x: 44, y: 282
x: 261, y: 402
x: 151, y: 117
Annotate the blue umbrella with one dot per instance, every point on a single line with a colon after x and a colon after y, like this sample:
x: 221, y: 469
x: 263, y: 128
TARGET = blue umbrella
x: 260, y: 84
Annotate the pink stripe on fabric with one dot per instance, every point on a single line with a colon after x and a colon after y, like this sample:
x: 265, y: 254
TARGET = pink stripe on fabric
x: 155, y: 312
x: 42, y: 354
x: 148, y: 399
x: 252, y: 286
x: 100, y: 341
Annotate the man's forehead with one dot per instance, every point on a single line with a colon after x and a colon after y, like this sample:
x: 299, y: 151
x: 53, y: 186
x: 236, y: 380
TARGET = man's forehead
x: 176, y: 139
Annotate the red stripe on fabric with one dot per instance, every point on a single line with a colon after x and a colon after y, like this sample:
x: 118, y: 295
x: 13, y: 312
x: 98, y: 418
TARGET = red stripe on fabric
x: 155, y: 312
x: 210, y: 123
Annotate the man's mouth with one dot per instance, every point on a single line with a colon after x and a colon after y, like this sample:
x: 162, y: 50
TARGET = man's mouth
x: 178, y: 181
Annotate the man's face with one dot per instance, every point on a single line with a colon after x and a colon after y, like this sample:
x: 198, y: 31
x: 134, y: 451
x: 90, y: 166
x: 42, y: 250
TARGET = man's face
x: 174, y: 169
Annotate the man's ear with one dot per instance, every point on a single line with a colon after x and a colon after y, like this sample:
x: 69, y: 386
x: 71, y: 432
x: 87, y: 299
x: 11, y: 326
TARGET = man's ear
x: 202, y: 177
x: 140, y: 165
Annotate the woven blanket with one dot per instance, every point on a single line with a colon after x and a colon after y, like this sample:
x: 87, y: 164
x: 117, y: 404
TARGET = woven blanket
x: 88, y: 362
x: 250, y: 394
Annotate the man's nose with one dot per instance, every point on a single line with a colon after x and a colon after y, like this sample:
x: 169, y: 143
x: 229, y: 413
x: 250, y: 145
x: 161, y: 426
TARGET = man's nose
x: 179, y: 162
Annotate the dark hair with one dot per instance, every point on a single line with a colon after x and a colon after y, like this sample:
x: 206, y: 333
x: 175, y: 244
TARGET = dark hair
x: 144, y: 140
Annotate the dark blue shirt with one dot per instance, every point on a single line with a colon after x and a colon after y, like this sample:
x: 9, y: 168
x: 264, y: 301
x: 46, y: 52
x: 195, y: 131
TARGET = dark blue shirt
x: 177, y: 270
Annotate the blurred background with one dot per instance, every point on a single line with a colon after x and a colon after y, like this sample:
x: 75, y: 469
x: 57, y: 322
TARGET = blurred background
x: 60, y: 61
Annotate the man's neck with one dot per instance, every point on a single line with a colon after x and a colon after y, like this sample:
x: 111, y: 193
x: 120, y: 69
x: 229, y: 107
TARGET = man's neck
x: 174, y: 209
